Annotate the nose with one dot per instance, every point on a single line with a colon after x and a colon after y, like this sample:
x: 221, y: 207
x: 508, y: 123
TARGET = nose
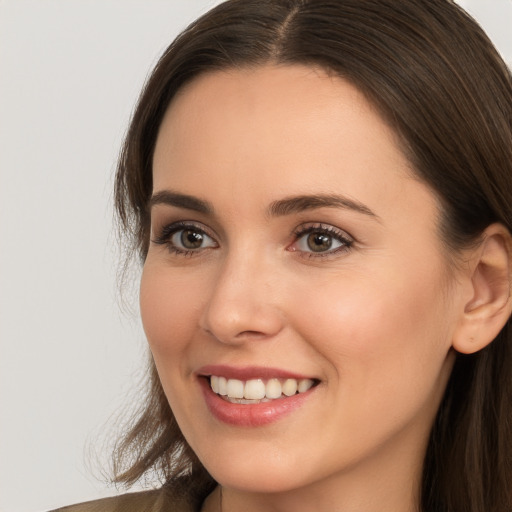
x: 243, y: 301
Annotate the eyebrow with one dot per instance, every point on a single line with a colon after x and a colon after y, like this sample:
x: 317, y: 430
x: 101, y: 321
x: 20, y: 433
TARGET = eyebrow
x: 302, y: 203
x: 278, y: 208
x: 171, y: 198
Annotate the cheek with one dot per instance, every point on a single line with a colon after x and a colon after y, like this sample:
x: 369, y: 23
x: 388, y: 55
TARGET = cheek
x: 169, y: 309
x: 379, y: 330
x: 387, y: 354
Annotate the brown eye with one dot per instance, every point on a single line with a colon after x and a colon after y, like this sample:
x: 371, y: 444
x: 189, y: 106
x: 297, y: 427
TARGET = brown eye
x: 191, y: 239
x: 319, y: 242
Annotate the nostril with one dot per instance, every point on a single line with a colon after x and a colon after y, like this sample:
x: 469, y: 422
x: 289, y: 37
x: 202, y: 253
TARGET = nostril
x: 251, y: 334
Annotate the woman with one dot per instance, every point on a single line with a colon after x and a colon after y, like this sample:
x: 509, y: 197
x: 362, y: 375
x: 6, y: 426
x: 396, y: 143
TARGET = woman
x: 320, y: 194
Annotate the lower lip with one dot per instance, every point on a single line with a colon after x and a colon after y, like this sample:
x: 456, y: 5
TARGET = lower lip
x: 251, y: 415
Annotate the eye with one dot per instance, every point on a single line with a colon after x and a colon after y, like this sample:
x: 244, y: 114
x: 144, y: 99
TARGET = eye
x: 321, y: 240
x: 191, y: 239
x: 183, y: 238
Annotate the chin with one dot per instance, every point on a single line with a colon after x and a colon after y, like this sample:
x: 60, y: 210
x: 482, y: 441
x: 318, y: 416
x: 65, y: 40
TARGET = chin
x: 259, y: 480
x: 263, y: 469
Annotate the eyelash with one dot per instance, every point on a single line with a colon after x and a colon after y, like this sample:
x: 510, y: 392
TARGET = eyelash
x: 342, y: 237
x: 167, y: 232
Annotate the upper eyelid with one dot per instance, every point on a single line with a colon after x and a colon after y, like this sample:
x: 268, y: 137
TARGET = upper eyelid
x: 346, y: 240
x: 308, y: 227
x: 297, y: 232
x: 166, y: 232
x: 180, y: 225
x: 163, y: 214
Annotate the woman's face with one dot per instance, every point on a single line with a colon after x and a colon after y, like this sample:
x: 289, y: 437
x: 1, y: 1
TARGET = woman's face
x: 291, y: 246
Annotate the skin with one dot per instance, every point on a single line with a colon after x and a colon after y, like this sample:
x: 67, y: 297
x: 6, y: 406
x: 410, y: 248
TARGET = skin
x: 373, y: 322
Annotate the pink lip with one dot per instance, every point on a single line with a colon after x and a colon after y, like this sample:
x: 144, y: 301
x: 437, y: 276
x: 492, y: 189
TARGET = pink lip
x: 248, y: 372
x: 249, y: 415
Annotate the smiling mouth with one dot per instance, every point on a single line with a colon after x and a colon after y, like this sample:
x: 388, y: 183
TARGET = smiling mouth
x: 255, y: 391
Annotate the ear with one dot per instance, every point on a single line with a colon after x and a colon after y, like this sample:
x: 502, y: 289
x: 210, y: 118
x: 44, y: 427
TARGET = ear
x: 489, y: 305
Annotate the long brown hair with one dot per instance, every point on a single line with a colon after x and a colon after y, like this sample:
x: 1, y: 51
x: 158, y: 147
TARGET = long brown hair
x: 437, y: 79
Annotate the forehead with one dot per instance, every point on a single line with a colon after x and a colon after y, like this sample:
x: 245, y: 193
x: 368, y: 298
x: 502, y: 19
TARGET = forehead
x: 252, y: 116
x: 244, y: 138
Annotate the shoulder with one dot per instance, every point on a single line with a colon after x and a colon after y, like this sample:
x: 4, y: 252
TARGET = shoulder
x: 147, y: 501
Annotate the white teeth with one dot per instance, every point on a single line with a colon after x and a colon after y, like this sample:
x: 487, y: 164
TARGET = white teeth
x: 304, y: 385
x: 239, y: 391
x: 290, y: 387
x: 223, y: 386
x: 273, y: 389
x: 245, y: 401
x: 214, y: 383
x: 255, y: 389
x: 235, y: 388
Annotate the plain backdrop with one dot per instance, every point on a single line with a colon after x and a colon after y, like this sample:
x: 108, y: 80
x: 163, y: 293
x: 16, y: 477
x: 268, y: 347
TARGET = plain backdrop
x: 70, y: 73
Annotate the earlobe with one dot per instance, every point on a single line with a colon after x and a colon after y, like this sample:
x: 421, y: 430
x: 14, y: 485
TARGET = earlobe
x: 490, y: 305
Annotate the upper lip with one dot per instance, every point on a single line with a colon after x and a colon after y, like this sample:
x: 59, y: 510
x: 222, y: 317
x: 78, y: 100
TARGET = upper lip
x: 248, y: 372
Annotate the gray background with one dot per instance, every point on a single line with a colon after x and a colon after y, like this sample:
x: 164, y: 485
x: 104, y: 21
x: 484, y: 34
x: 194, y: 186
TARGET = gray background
x: 70, y: 72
